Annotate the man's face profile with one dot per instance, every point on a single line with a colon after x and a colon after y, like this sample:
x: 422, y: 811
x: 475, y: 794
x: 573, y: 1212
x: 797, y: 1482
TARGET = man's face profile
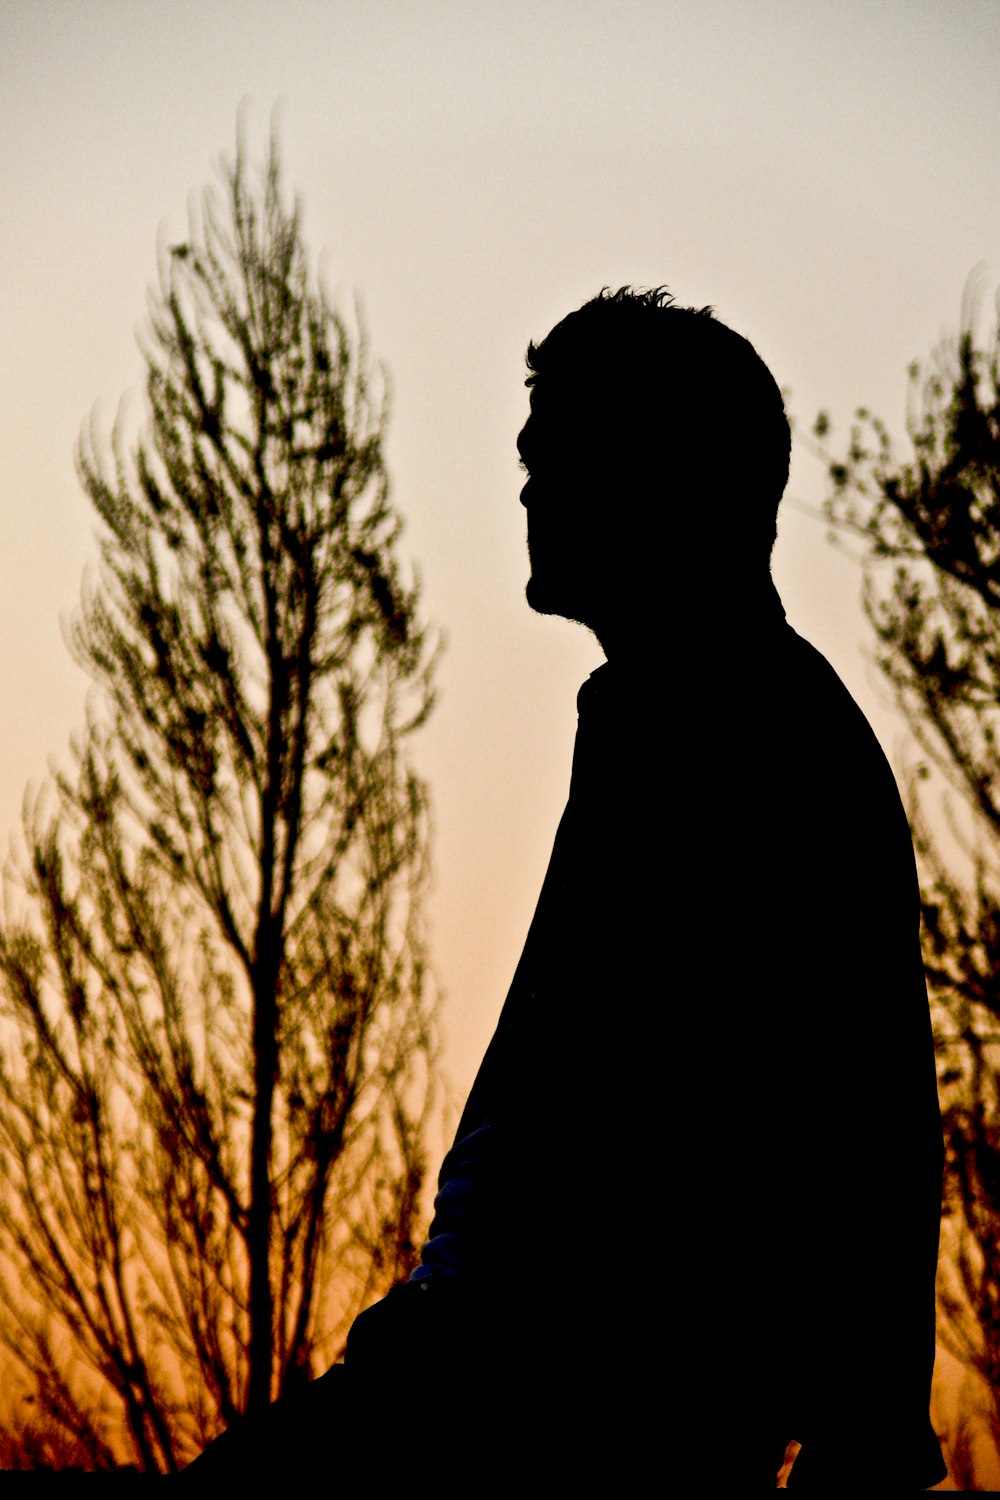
x: 567, y: 501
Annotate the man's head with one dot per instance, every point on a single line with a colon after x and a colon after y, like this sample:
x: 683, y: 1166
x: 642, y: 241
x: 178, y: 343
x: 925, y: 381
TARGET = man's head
x: 657, y: 444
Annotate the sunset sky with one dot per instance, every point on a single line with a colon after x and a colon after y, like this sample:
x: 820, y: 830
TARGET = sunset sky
x: 826, y: 173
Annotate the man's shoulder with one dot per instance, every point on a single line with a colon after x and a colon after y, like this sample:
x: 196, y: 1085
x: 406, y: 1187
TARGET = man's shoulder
x: 768, y: 703
x: 830, y: 753
x: 814, y: 695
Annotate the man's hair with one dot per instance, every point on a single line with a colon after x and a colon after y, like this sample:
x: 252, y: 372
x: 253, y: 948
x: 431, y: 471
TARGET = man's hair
x: 700, y: 403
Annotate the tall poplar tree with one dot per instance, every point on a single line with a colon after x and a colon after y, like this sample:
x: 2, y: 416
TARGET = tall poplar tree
x: 218, y: 1032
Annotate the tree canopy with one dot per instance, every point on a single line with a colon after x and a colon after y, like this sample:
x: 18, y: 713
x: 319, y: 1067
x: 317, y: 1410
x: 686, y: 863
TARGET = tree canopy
x: 218, y: 1041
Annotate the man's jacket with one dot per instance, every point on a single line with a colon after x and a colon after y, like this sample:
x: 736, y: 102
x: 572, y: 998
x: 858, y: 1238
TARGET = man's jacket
x: 699, y: 1217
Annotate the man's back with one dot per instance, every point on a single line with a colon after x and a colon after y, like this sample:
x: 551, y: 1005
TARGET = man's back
x: 820, y: 1220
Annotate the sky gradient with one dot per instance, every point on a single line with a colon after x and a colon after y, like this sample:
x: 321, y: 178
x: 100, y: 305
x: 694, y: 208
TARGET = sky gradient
x: 823, y: 172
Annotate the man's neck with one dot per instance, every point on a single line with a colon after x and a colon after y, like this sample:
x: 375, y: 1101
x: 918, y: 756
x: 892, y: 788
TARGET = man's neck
x: 736, y: 612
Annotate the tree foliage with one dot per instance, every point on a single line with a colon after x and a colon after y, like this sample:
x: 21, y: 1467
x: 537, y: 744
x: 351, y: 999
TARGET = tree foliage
x: 929, y: 524
x: 218, y: 1032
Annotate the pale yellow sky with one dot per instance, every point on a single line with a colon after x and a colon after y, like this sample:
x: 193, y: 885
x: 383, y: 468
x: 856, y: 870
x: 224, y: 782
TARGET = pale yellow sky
x: 825, y: 172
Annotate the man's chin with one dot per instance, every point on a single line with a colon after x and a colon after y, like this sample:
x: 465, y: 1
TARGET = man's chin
x: 541, y: 599
x: 537, y: 597
x: 545, y: 600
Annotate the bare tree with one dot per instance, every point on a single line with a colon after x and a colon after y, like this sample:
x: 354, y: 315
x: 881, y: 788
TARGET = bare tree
x: 929, y: 525
x: 218, y: 1033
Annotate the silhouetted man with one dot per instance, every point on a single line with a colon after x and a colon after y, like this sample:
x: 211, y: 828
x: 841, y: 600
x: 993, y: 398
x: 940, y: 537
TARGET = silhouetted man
x: 691, y: 1211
